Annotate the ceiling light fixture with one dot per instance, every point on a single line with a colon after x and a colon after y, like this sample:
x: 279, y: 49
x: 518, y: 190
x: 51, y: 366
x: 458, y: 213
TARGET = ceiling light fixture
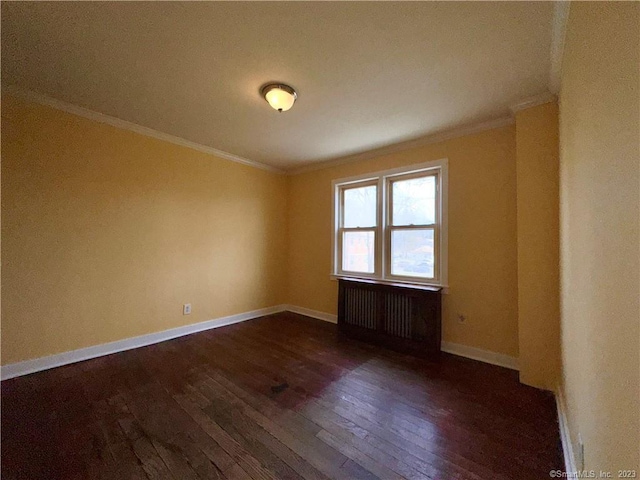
x: 279, y: 96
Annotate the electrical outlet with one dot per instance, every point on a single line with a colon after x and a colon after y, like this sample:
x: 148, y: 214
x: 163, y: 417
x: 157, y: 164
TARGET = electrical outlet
x: 186, y: 309
x: 580, y: 454
x: 462, y: 318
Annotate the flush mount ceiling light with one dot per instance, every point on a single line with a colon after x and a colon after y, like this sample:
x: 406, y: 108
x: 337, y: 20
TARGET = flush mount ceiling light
x: 279, y: 96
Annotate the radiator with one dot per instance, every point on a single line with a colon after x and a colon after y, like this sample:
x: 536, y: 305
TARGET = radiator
x: 406, y: 318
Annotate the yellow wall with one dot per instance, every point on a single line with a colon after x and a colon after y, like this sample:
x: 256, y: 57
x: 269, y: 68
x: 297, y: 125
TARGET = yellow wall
x: 106, y: 233
x: 599, y: 197
x: 538, y: 249
x: 482, y: 236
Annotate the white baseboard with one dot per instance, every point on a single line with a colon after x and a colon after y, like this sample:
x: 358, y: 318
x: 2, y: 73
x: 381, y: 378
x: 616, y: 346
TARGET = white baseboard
x: 44, y: 363
x: 565, y: 436
x: 453, y: 348
x: 65, y: 358
x: 486, y: 356
x: 327, y: 317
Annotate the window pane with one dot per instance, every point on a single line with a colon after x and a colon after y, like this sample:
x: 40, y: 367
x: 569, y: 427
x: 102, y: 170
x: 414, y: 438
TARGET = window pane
x: 414, y: 201
x: 412, y: 253
x: 358, y: 250
x: 360, y: 207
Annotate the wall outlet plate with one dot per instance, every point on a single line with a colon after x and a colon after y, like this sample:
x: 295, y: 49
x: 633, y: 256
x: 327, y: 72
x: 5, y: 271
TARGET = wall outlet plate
x: 186, y: 309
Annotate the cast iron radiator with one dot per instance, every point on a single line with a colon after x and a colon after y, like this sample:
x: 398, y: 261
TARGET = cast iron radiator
x: 404, y: 317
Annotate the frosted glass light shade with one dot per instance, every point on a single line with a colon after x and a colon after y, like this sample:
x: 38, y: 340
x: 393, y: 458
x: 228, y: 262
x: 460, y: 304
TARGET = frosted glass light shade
x: 280, y: 97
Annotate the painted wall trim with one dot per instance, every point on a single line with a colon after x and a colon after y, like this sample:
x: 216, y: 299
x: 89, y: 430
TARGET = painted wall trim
x: 534, y: 101
x: 473, y: 353
x: 44, y: 363
x: 565, y: 434
x: 327, y: 317
x: 486, y: 356
x: 42, y: 99
x: 450, y: 134
x: 558, y: 35
x: 456, y: 132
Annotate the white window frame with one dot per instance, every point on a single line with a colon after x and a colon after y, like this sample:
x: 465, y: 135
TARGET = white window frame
x: 383, y: 229
x: 377, y: 230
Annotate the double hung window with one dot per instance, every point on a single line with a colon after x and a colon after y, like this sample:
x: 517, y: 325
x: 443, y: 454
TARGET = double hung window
x: 392, y: 225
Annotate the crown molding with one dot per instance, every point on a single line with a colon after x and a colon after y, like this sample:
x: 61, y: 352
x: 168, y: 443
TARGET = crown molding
x: 133, y: 127
x: 534, y: 101
x: 450, y: 134
x: 558, y: 35
x: 457, y: 132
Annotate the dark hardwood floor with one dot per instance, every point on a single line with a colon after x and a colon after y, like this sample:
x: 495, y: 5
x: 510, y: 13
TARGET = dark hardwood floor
x: 281, y: 397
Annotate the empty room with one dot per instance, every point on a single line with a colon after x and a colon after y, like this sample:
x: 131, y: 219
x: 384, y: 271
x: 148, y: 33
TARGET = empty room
x: 320, y: 240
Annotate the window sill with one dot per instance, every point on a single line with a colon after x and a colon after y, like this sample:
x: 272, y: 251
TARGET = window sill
x: 335, y: 277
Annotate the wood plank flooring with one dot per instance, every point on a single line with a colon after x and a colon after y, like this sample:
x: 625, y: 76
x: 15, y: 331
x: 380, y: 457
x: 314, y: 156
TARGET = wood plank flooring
x: 280, y: 397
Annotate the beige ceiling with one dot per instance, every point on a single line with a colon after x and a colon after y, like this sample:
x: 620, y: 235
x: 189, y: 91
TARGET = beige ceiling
x: 368, y: 74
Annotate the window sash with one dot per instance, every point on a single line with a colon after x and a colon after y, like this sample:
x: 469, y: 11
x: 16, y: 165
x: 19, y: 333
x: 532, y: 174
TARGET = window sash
x: 389, y: 258
x: 411, y: 176
x: 341, y: 258
x: 344, y: 188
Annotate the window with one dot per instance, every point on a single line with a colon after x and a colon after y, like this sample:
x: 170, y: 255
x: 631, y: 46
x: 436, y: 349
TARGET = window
x: 392, y: 225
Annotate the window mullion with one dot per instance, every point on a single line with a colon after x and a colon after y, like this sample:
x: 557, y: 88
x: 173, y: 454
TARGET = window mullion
x: 380, y: 253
